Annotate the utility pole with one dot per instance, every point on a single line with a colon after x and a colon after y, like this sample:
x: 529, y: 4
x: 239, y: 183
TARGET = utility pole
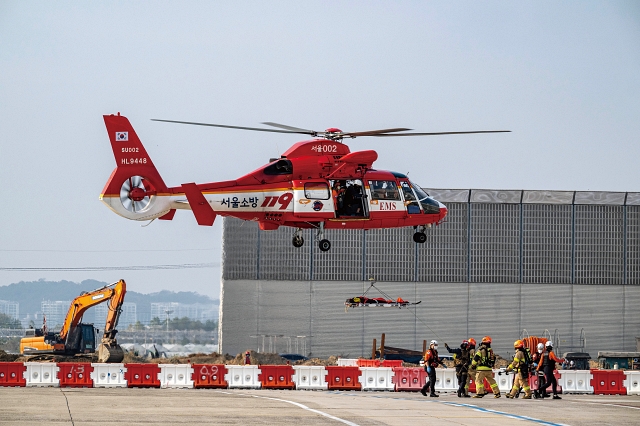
x: 168, y: 312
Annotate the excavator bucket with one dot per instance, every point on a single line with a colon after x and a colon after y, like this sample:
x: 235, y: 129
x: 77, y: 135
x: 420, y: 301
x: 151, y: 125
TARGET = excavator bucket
x: 109, y: 351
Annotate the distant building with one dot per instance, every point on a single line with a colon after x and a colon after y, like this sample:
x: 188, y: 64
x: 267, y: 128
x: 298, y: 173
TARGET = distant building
x: 127, y: 317
x: 55, y: 312
x: 196, y: 311
x: 9, y: 308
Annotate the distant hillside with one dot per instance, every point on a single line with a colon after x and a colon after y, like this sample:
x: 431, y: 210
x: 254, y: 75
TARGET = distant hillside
x: 30, y: 293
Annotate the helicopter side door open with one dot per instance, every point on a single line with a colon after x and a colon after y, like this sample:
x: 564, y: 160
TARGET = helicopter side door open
x: 349, y: 199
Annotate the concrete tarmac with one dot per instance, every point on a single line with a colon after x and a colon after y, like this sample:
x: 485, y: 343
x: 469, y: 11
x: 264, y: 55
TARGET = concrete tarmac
x: 123, y: 406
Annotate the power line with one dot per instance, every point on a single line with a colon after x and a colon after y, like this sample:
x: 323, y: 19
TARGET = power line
x: 116, y: 268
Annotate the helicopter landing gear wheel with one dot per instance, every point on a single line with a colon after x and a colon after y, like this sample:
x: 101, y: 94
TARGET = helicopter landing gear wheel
x: 298, y: 241
x: 324, y: 245
x: 420, y: 237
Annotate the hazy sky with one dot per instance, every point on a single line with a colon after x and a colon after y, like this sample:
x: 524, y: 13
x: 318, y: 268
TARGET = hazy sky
x: 563, y: 76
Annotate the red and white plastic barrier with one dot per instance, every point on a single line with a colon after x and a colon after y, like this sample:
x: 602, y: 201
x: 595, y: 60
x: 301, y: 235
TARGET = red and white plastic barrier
x: 303, y: 377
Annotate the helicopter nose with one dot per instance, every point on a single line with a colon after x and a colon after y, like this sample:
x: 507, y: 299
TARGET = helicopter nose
x: 443, y: 211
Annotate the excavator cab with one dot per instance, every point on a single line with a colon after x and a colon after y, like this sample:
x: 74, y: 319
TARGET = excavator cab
x: 81, y: 340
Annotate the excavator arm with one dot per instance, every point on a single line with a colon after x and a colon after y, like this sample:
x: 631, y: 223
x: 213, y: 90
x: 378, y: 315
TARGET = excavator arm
x: 114, y: 293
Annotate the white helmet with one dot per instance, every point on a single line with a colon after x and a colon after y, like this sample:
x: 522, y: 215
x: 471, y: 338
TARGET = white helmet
x: 434, y: 343
x: 540, y: 347
x: 549, y: 344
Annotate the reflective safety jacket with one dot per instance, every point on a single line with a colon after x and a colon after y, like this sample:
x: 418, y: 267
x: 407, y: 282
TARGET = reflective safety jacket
x: 520, y: 363
x: 484, y: 359
x: 461, y: 357
x: 431, y: 358
x: 548, y: 361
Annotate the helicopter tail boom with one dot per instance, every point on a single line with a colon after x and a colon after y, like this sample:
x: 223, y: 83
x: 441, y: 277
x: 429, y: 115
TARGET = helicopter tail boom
x: 135, y: 189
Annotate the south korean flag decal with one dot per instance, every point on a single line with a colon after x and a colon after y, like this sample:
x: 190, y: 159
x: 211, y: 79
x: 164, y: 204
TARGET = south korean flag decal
x: 122, y: 136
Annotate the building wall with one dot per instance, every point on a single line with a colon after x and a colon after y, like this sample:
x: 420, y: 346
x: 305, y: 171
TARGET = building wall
x: 314, y: 311
x: 503, y: 262
x: 10, y: 308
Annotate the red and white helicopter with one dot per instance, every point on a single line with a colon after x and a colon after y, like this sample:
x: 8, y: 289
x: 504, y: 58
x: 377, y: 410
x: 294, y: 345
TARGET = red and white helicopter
x: 318, y: 184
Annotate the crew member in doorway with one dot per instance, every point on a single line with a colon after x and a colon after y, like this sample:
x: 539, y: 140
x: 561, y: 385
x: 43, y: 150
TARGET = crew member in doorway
x: 548, y: 364
x: 431, y: 361
x: 521, y: 365
x: 484, y: 360
x: 338, y: 197
x: 461, y: 360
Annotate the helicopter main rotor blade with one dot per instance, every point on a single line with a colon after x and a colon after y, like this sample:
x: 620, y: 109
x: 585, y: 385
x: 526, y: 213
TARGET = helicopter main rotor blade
x: 444, y: 133
x: 375, y: 132
x: 226, y: 126
x: 293, y: 129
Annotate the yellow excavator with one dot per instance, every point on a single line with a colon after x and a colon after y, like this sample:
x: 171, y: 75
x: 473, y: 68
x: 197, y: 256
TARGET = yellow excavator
x: 77, y: 338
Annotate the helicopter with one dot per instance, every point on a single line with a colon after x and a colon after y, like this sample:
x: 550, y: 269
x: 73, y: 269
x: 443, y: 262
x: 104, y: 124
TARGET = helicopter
x: 316, y: 184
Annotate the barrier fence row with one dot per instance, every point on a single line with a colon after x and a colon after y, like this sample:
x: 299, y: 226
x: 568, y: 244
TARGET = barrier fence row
x: 302, y: 377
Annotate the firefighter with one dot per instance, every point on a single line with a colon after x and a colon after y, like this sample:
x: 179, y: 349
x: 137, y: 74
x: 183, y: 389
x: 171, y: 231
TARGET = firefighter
x: 548, y: 364
x: 431, y: 361
x: 461, y: 360
x: 483, y: 361
x: 521, y: 365
x: 472, y: 369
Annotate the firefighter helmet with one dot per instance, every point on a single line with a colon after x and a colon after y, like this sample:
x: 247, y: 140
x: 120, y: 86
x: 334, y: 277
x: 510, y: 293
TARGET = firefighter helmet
x: 540, y: 347
x: 434, y: 343
x: 549, y: 344
x: 472, y: 341
x: 518, y: 344
x: 465, y: 343
x: 486, y: 339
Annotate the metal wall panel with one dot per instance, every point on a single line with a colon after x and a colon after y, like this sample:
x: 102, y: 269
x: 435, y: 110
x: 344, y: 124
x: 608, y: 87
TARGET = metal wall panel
x: 238, y: 315
x: 494, y: 311
x: 547, y: 197
x: 449, y: 312
x: 547, y: 243
x: 449, y: 195
x: 495, y: 196
x: 390, y: 254
x: 344, y: 261
x: 239, y: 249
x: 282, y: 313
x: 630, y: 318
x: 443, y: 314
x: 444, y: 257
x: 599, y: 311
x: 633, y: 199
x: 633, y: 245
x: 548, y: 307
x: 280, y: 260
x: 495, y: 243
x: 600, y: 198
x: 599, y: 244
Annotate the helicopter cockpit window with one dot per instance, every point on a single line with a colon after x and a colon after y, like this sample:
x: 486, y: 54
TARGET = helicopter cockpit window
x: 409, y: 198
x: 316, y: 191
x: 429, y: 205
x: 280, y: 167
x: 384, y: 190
